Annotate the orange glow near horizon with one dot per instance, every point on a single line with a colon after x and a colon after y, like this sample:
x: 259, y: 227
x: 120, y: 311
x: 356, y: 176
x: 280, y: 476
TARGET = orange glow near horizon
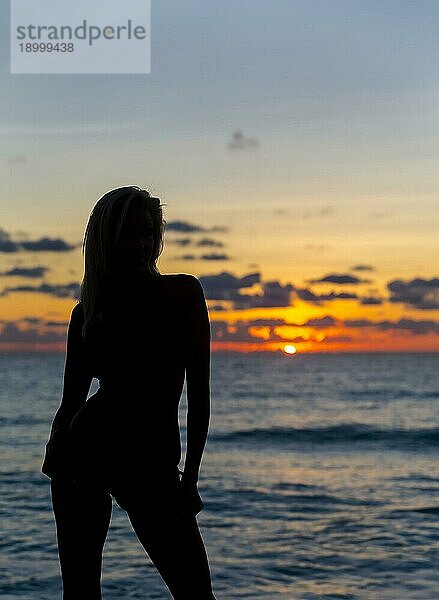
x: 38, y: 323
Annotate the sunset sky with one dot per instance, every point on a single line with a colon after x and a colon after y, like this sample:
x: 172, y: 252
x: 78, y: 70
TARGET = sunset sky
x: 295, y: 145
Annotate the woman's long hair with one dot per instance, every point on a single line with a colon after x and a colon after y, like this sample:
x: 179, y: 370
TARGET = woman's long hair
x: 100, y: 239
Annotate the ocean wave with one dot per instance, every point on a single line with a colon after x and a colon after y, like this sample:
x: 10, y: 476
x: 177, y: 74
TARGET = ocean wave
x: 346, y: 433
x: 20, y: 420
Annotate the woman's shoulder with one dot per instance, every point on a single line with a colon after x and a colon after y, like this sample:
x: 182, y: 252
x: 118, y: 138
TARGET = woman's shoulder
x: 182, y: 282
x: 77, y: 311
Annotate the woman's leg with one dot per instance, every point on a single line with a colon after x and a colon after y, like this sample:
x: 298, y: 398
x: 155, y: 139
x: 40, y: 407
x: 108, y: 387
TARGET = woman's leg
x: 177, y: 549
x: 82, y: 515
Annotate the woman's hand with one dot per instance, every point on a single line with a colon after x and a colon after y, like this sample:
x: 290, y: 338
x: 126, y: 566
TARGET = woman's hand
x: 191, y: 501
x: 56, y: 458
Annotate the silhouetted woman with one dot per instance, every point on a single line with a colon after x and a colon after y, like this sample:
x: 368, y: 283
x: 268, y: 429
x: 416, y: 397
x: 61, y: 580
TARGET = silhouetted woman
x: 140, y: 333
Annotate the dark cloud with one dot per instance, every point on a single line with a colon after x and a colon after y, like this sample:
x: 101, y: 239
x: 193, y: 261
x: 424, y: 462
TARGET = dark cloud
x: 241, y: 142
x: 336, y: 338
x: 417, y: 327
x: 360, y: 323
x: 209, y: 242
x: 266, y: 322
x: 6, y: 244
x: 340, y: 279
x: 180, y: 241
x: 45, y: 244
x: 217, y: 307
x: 326, y: 321
x: 274, y: 294
x: 213, y: 256
x: 362, y: 268
x: 186, y: 227
x: 38, y: 321
x: 55, y: 324
x: 370, y: 300
x: 307, y: 295
x: 69, y: 290
x: 30, y: 272
x: 12, y: 334
x: 239, y: 332
x: 417, y: 293
x: 224, y: 286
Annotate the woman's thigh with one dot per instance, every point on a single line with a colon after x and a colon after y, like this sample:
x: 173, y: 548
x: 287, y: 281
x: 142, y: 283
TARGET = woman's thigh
x: 177, y: 549
x: 82, y: 515
x: 172, y: 539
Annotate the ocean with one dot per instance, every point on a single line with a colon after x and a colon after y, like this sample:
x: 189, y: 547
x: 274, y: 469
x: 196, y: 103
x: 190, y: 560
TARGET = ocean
x: 320, y: 480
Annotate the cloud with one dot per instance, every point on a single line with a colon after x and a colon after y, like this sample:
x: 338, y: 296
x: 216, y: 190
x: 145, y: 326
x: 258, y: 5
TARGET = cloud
x: 307, y: 295
x: 226, y: 286
x: 239, y: 331
x: 30, y: 272
x: 213, y: 256
x: 266, y: 322
x: 45, y: 244
x: 340, y: 279
x: 241, y: 142
x: 362, y: 268
x: 69, y: 290
x: 416, y: 327
x: 209, y: 242
x: 336, y: 338
x: 184, y: 227
x: 418, y: 293
x: 180, y: 241
x: 326, y: 321
x: 274, y: 294
x: 12, y: 334
x: 370, y: 300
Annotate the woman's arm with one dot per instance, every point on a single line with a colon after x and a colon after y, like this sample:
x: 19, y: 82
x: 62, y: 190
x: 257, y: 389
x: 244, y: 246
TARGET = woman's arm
x: 197, y: 378
x: 77, y: 380
x: 77, y: 374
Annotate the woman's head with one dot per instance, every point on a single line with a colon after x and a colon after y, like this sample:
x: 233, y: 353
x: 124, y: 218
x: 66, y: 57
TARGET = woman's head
x: 123, y: 238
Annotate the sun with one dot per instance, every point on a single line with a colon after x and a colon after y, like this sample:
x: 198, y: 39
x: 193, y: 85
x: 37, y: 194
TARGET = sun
x: 289, y: 349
